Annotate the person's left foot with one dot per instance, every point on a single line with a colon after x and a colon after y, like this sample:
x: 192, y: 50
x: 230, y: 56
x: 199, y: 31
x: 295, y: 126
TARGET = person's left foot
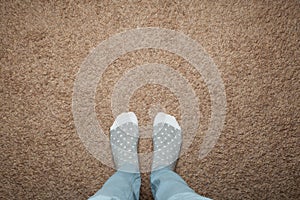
x: 124, y: 137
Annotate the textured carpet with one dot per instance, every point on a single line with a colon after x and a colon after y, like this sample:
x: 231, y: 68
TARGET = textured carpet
x: 255, y: 45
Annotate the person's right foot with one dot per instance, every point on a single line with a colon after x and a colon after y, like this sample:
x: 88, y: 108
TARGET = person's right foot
x: 167, y: 141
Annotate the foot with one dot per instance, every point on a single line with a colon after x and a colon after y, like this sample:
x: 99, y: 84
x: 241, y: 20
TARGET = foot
x: 124, y: 137
x: 167, y: 141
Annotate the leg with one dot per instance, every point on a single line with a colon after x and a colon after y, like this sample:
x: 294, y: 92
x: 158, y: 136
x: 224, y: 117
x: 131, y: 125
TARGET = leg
x: 122, y: 185
x: 126, y: 182
x: 165, y: 183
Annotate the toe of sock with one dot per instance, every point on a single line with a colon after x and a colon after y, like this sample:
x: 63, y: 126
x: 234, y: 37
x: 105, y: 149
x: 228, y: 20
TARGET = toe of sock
x: 124, y: 118
x: 167, y: 119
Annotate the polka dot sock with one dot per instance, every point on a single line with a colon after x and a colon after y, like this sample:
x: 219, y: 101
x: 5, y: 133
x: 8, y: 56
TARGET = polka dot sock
x: 167, y: 141
x: 124, y: 137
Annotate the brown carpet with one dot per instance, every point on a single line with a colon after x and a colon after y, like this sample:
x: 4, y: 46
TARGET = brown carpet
x: 255, y: 45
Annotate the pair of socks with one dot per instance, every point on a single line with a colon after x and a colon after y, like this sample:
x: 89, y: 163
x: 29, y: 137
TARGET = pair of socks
x: 124, y: 136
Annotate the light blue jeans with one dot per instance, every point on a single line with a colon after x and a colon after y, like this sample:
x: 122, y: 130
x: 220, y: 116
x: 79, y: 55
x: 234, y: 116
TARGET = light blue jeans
x: 165, y: 185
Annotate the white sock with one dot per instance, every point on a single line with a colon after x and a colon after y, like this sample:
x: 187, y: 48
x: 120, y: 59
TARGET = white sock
x: 124, y: 137
x: 167, y: 141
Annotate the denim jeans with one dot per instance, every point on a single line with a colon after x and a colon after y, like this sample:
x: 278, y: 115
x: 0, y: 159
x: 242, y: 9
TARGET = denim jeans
x: 165, y: 185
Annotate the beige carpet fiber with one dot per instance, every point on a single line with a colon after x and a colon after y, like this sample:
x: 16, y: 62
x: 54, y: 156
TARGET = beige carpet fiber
x: 255, y: 45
